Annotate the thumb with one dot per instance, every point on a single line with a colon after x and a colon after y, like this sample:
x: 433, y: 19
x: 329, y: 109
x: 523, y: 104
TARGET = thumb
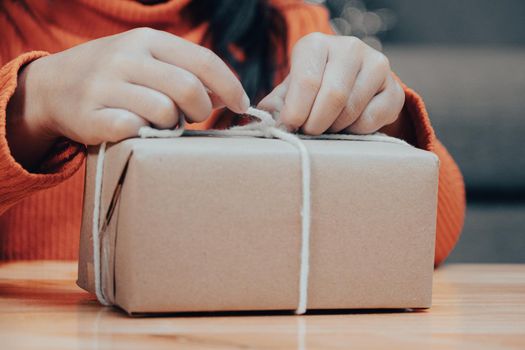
x: 274, y: 101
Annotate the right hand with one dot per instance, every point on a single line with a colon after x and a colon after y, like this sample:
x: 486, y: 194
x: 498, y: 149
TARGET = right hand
x: 106, y: 89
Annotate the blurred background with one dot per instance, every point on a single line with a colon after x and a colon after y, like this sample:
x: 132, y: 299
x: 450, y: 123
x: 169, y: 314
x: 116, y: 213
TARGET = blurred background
x: 467, y: 59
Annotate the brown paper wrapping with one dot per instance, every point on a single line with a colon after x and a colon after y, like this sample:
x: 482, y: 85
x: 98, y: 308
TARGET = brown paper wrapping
x: 213, y: 224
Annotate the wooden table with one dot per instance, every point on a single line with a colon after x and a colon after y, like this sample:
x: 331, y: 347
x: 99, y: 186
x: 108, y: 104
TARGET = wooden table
x: 475, y: 307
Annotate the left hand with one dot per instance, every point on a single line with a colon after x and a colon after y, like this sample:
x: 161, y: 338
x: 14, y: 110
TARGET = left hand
x: 336, y: 84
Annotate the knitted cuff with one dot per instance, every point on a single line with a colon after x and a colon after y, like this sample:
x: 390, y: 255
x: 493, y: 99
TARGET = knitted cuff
x: 65, y: 158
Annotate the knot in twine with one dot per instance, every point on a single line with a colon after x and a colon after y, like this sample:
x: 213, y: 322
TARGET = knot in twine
x: 266, y: 127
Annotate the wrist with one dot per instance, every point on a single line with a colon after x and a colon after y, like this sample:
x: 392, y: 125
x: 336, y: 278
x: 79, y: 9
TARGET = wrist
x: 28, y: 130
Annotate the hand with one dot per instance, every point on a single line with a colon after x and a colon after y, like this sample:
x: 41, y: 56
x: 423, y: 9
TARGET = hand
x: 336, y: 84
x: 106, y: 89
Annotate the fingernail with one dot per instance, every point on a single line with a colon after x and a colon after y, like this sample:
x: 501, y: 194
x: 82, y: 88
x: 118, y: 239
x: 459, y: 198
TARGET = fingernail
x: 245, y: 103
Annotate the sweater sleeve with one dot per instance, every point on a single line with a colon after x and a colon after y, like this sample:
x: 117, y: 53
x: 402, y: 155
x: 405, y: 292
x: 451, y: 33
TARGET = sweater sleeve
x: 64, y: 159
x: 302, y: 19
x: 451, y: 191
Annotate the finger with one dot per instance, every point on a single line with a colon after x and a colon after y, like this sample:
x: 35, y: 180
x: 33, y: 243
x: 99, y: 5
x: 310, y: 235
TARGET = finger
x: 113, y: 125
x: 203, y: 63
x: 183, y: 87
x: 150, y: 104
x: 338, y: 79
x: 307, y: 67
x: 274, y: 101
x: 382, y: 110
x: 216, y: 101
x: 369, y: 82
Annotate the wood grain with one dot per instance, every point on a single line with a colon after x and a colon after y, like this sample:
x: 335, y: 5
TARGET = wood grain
x: 475, y: 307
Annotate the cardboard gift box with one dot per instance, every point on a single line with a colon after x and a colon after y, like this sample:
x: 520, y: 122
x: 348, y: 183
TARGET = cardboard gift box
x: 214, y: 224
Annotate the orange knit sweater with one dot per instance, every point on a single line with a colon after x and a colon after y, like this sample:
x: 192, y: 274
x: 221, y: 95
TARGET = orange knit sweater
x: 40, y: 212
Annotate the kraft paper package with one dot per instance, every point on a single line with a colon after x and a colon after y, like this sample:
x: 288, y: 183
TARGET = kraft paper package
x: 199, y: 223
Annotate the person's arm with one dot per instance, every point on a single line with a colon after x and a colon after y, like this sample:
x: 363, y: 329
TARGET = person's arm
x: 104, y: 90
x: 411, y: 124
x: 59, y: 160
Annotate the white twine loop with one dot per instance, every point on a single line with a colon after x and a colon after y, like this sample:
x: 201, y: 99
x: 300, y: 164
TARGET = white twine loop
x: 95, y: 226
x: 266, y: 127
